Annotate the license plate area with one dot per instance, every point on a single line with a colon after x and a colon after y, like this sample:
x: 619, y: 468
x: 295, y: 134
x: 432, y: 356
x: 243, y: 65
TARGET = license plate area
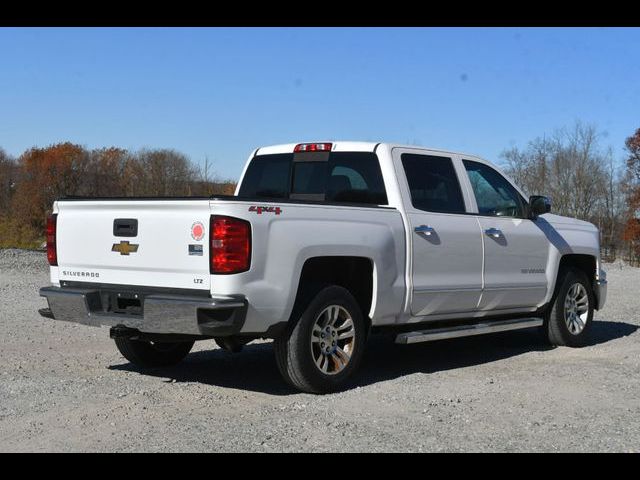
x: 116, y: 303
x: 127, y: 304
x: 124, y: 303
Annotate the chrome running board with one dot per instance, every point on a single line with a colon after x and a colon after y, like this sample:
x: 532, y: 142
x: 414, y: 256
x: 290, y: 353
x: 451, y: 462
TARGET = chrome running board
x: 467, y: 330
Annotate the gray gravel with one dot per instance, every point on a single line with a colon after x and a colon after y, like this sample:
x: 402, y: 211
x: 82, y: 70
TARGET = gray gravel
x: 64, y: 387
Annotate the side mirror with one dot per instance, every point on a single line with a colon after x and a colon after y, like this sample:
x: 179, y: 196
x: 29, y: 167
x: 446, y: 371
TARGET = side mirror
x: 539, y: 205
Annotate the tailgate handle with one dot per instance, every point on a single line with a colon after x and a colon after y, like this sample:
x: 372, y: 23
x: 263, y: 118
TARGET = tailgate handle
x: 125, y: 227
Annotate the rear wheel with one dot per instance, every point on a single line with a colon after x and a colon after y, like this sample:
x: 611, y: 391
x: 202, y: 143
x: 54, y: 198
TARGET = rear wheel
x: 324, y: 347
x: 569, y: 320
x: 153, y: 354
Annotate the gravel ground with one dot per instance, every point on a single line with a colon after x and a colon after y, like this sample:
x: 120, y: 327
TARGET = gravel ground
x: 64, y: 387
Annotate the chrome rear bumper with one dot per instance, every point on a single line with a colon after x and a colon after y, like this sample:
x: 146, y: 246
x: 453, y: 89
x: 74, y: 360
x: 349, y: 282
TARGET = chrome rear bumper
x: 160, y: 313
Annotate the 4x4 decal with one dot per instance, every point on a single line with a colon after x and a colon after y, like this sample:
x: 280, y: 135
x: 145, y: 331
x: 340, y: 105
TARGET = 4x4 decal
x: 259, y: 210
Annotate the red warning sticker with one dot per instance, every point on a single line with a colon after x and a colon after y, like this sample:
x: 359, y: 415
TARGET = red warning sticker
x: 197, y: 231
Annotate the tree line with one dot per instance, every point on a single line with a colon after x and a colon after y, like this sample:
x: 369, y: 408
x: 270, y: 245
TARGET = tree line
x: 585, y: 181
x: 571, y: 165
x: 30, y: 183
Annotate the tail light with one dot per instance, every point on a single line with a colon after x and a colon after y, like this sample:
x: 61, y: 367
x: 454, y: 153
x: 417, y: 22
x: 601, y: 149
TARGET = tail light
x: 312, y: 147
x: 52, y: 254
x: 230, y: 245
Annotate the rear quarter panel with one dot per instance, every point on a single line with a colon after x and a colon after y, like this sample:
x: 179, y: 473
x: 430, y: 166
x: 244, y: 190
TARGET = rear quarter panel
x: 281, y: 243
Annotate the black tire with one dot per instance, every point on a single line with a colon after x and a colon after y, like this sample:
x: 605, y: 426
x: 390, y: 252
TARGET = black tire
x: 555, y: 326
x: 149, y: 355
x: 294, y: 351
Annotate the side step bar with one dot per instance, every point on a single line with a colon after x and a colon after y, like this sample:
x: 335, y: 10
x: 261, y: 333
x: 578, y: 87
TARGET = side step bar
x: 467, y: 330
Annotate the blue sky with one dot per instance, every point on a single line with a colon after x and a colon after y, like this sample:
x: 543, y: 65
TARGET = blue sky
x: 219, y: 93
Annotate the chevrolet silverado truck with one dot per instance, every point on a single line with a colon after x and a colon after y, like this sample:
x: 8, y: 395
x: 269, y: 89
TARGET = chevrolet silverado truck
x: 321, y: 245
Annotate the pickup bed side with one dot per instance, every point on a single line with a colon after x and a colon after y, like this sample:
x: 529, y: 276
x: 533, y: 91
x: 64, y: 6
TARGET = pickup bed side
x: 314, y: 232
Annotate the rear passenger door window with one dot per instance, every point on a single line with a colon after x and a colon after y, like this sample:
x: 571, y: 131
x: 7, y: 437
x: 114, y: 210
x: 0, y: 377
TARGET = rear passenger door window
x: 433, y: 183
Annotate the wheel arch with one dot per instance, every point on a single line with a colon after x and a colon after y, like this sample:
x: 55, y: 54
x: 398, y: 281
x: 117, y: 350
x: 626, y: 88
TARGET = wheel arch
x: 354, y: 273
x: 583, y: 262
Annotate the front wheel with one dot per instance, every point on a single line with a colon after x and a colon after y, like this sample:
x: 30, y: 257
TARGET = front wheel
x: 324, y: 347
x: 569, y: 320
x: 153, y: 354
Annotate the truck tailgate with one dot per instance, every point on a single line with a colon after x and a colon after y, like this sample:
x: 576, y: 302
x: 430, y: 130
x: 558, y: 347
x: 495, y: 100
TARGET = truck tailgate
x: 159, y: 243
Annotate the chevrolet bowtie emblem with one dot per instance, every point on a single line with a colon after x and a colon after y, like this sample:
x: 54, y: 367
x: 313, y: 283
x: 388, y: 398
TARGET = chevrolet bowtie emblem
x: 125, y: 248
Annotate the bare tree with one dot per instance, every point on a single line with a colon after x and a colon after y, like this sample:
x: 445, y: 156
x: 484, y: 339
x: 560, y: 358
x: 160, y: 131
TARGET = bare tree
x: 164, y: 172
x: 106, y: 176
x: 8, y: 173
x: 612, y: 209
x: 631, y: 189
x: 581, y: 177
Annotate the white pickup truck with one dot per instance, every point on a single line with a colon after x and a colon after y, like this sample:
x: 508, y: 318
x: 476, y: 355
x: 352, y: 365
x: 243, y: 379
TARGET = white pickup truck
x: 322, y: 244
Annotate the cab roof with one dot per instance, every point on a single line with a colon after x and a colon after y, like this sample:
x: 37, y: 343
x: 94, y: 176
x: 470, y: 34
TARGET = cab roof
x: 351, y: 146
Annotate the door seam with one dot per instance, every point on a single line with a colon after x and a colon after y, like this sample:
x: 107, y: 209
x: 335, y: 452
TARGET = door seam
x: 483, y: 264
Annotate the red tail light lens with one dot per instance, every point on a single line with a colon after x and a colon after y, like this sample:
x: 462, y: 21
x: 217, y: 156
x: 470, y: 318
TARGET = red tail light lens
x: 52, y: 254
x: 312, y: 147
x: 230, y: 245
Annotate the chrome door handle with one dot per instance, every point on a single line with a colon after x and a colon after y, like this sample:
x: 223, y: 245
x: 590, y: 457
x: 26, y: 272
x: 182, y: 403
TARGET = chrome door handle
x: 426, y: 229
x: 493, y: 232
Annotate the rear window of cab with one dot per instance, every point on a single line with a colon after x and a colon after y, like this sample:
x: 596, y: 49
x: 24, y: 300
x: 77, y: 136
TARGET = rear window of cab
x: 338, y: 177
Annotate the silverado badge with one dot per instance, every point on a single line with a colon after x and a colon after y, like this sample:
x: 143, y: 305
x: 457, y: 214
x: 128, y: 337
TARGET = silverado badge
x: 124, y: 247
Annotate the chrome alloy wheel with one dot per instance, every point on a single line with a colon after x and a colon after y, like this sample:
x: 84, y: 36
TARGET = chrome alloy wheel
x: 576, y: 308
x: 332, y: 339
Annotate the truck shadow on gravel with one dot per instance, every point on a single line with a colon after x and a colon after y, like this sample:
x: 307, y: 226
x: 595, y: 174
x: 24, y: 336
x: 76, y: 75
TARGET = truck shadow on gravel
x: 254, y: 369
